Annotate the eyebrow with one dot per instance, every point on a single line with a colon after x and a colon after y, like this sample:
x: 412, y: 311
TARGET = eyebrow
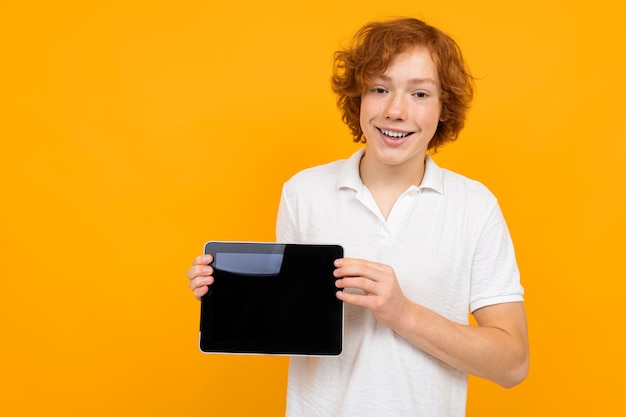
x: 384, y: 77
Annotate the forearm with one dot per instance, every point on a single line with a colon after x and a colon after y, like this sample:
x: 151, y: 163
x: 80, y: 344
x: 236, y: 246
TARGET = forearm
x: 496, y: 349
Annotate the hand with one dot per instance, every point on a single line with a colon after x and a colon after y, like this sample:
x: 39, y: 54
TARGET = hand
x: 382, y: 294
x: 200, y: 275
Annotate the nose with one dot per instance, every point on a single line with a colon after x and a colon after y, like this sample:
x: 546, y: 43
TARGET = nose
x: 396, y: 107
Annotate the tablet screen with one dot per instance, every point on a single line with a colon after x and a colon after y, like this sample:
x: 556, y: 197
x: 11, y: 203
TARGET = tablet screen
x: 271, y: 298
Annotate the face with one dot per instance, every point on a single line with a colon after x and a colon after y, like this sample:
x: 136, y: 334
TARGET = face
x: 400, y: 110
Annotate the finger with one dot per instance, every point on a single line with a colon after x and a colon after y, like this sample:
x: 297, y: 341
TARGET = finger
x: 200, y: 266
x: 360, y: 283
x: 357, y: 267
x: 201, y: 282
x: 200, y: 292
x: 203, y: 259
x: 354, y: 299
x: 199, y: 271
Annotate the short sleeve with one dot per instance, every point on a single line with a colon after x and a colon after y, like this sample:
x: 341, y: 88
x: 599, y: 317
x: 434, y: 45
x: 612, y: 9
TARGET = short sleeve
x: 495, y: 274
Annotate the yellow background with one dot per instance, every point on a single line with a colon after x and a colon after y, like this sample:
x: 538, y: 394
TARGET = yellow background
x: 134, y: 131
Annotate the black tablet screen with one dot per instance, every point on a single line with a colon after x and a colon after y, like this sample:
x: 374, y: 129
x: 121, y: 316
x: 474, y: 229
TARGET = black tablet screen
x: 271, y: 298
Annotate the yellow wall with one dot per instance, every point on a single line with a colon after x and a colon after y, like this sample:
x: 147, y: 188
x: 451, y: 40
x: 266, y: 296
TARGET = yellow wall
x: 133, y: 131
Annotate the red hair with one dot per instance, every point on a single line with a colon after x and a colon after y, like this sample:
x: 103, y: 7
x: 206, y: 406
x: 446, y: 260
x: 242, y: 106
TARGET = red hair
x: 371, y: 51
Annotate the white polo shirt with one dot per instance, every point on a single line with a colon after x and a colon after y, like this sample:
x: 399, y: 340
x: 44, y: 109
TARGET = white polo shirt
x: 451, y: 251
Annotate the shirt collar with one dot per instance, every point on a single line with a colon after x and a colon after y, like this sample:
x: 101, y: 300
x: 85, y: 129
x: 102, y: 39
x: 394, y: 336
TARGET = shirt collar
x: 349, y: 175
x: 433, y: 176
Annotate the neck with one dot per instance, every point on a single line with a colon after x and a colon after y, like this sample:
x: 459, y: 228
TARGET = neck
x: 374, y: 174
x: 386, y: 183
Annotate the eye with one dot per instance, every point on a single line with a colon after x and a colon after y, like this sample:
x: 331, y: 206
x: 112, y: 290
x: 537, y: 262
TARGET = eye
x: 421, y: 94
x: 378, y: 90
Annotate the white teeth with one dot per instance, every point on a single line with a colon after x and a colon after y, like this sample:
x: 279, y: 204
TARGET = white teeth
x: 393, y: 134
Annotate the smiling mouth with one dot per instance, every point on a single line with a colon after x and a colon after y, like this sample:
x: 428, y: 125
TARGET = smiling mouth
x: 394, y: 134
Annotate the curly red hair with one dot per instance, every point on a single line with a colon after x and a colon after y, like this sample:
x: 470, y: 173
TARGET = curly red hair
x: 371, y: 51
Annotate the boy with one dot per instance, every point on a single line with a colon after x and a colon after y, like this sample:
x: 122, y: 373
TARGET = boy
x: 423, y: 245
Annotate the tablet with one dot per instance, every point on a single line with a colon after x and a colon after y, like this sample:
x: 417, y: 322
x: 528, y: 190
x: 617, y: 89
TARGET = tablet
x: 272, y: 298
